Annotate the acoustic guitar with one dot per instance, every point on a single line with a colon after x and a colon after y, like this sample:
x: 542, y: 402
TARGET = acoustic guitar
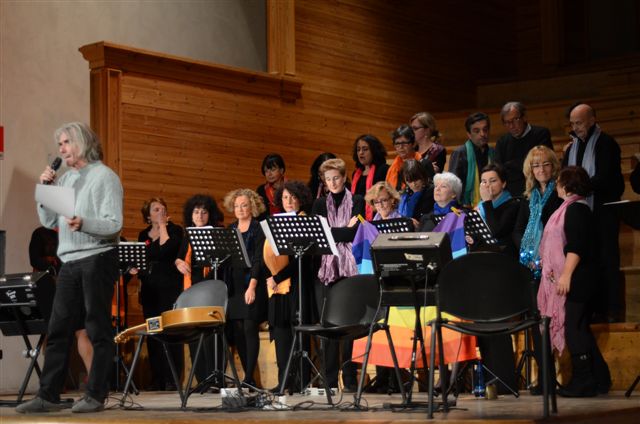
x: 175, y: 319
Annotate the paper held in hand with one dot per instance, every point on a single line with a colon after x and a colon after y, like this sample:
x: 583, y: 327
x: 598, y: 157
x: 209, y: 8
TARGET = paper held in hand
x: 61, y: 200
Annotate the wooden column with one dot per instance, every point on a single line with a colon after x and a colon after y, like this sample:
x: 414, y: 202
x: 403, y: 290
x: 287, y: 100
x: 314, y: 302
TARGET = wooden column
x: 281, y: 37
x: 105, y: 86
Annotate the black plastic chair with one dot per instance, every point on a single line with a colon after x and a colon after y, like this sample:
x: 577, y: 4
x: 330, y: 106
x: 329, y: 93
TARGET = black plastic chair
x: 492, y: 294
x: 204, y: 293
x: 349, y: 310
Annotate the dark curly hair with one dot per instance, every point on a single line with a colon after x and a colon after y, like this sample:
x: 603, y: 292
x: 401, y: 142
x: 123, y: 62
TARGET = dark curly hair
x: 378, y: 151
x: 202, y: 201
x: 575, y: 180
x: 300, y: 191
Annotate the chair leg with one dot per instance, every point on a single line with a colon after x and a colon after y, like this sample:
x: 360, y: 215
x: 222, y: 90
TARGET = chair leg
x: 432, y: 366
x: 323, y: 370
x: 443, y: 370
x: 285, y: 379
x: 192, y: 372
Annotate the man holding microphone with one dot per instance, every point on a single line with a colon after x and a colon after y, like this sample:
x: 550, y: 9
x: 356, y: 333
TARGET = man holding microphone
x: 87, y: 249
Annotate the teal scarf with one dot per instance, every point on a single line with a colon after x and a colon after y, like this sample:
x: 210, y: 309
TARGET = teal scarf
x: 503, y: 198
x: 529, y: 247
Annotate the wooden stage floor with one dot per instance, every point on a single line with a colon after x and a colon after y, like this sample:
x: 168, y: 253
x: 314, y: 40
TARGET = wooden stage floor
x: 163, y: 407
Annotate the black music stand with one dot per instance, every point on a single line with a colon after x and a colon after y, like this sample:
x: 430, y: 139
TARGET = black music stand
x: 130, y: 255
x: 25, y: 308
x: 213, y: 246
x: 401, y: 261
x: 394, y: 225
x: 299, y: 235
x: 474, y: 227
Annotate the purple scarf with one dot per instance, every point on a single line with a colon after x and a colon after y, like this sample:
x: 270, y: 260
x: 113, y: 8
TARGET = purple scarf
x: 332, y: 267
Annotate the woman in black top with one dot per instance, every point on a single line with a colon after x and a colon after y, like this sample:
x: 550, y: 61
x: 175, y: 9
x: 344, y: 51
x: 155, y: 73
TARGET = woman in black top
x: 200, y: 210
x: 247, y: 306
x: 283, y: 285
x: 369, y: 156
x: 568, y: 284
x: 161, y: 284
x: 498, y: 208
x: 341, y: 209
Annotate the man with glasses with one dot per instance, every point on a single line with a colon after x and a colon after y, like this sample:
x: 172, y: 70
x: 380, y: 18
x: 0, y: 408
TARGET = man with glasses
x: 512, y: 147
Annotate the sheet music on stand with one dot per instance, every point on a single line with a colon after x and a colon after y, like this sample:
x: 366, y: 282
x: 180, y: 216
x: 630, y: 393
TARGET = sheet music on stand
x: 474, y: 226
x: 395, y: 225
x: 132, y: 254
x: 285, y: 232
x: 210, y: 243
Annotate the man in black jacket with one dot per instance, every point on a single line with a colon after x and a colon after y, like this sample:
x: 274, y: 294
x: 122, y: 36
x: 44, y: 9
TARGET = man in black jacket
x: 512, y: 147
x: 599, y: 154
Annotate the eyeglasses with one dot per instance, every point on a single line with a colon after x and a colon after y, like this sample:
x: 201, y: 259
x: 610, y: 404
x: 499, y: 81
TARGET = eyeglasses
x: 382, y: 201
x: 511, y: 121
x: 539, y: 165
x: 397, y: 144
x: 415, y: 129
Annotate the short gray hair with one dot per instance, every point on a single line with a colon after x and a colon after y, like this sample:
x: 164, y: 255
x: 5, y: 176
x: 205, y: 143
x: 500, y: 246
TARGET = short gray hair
x: 521, y: 108
x: 82, y: 135
x: 451, y: 180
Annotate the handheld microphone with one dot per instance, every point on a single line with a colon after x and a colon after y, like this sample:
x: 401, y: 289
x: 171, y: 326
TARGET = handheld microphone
x: 54, y: 165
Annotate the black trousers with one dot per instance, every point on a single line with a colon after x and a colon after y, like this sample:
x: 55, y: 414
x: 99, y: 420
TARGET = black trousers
x: 89, y: 281
x: 246, y: 338
x: 610, y: 289
x: 283, y: 337
x: 159, y: 299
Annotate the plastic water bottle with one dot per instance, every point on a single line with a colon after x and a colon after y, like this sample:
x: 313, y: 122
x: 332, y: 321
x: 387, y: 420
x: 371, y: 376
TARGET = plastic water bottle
x: 478, y: 384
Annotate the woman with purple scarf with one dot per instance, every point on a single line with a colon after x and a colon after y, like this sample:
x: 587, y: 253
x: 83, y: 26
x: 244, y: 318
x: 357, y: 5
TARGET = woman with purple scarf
x: 568, y: 283
x: 341, y: 209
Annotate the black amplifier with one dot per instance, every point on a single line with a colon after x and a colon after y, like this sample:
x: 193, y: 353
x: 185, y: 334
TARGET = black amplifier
x: 409, y: 260
x: 25, y: 303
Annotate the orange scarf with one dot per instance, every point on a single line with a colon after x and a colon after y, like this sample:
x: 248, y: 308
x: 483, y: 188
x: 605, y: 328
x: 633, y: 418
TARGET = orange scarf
x: 186, y: 282
x: 395, y: 171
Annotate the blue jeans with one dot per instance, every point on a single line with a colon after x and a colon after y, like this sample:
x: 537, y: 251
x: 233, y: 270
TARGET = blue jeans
x: 89, y: 282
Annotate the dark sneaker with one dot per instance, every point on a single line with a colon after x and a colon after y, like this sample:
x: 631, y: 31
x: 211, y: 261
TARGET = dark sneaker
x: 87, y: 404
x: 37, y: 404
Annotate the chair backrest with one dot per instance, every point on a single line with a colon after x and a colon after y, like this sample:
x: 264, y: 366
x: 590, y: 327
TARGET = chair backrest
x: 352, y: 300
x: 485, y: 286
x: 204, y: 293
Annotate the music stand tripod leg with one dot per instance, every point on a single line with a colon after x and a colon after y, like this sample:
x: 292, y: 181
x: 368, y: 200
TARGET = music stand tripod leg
x: 129, y: 381
x: 632, y: 387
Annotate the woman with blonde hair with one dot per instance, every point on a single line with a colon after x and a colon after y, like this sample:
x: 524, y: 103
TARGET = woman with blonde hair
x: 384, y: 200
x: 247, y: 305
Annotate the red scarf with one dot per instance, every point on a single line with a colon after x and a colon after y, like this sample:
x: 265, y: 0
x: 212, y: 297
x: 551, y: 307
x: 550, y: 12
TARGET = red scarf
x: 368, y: 184
x: 270, y: 191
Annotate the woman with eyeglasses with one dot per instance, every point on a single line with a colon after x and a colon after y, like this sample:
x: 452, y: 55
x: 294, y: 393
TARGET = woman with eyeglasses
x: 247, y: 306
x: 199, y: 210
x: 404, y: 143
x: 369, y: 156
x: 427, y: 136
x: 341, y: 209
x: 384, y: 199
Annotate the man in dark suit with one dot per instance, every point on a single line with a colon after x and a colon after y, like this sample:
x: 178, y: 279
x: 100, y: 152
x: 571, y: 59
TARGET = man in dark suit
x: 512, y: 147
